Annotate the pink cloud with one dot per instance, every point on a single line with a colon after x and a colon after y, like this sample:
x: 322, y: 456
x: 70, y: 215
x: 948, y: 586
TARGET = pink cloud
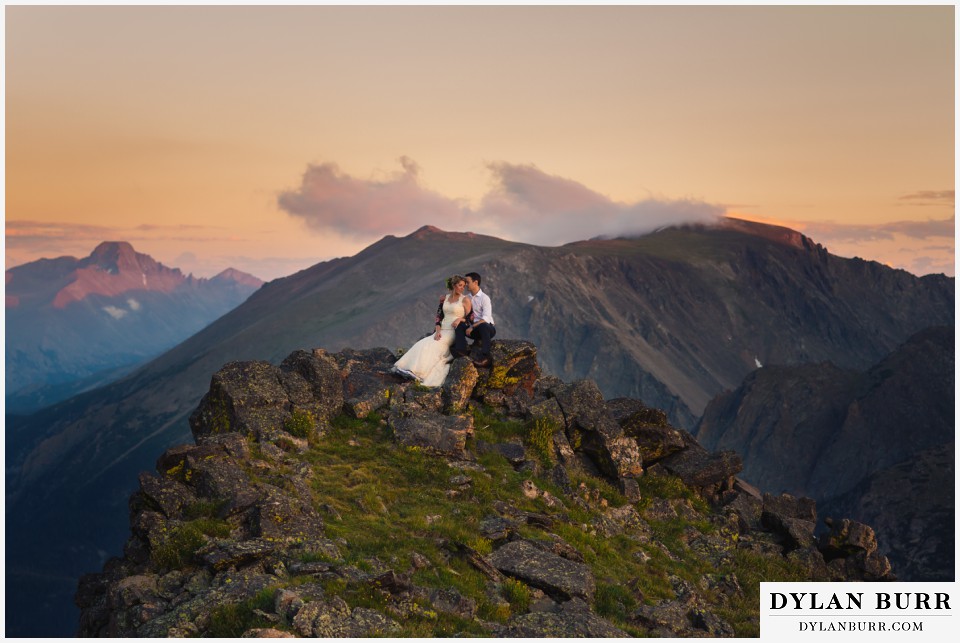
x: 524, y: 204
x: 547, y: 209
x: 328, y: 199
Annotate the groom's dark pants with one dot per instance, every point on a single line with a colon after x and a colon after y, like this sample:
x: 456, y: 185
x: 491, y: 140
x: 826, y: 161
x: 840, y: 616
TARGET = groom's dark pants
x: 482, y: 333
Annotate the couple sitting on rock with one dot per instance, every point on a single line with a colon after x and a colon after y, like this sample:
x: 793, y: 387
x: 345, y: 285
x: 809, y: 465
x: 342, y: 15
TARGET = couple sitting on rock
x: 459, y: 316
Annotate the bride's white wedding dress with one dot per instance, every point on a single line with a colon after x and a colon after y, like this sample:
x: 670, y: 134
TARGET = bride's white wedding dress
x: 429, y: 359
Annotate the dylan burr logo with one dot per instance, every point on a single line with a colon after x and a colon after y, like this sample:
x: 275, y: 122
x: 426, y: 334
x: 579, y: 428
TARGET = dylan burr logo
x: 793, y: 611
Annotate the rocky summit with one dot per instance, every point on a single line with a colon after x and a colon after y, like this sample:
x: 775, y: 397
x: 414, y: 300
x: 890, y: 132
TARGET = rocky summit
x: 330, y: 497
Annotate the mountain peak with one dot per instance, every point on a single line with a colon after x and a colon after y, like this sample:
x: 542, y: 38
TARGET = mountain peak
x: 776, y: 233
x: 113, y: 256
x: 238, y: 276
x: 433, y: 232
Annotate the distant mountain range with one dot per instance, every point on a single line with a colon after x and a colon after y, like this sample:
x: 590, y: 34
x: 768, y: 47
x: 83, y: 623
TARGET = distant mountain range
x: 876, y: 445
x: 673, y: 318
x: 75, y: 324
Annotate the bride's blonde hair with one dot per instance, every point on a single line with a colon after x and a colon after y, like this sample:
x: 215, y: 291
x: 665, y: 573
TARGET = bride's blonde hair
x: 454, y: 280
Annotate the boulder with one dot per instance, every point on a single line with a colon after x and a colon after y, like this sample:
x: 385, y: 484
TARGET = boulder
x: 443, y: 434
x: 788, y: 506
x: 224, y: 555
x: 563, y: 624
x: 544, y: 570
x: 847, y: 537
x: 509, y: 384
x: 313, y: 383
x: 459, y: 385
x: 244, y: 397
x: 654, y: 441
x: 282, y: 517
x: 700, y: 469
x: 166, y: 494
x: 630, y: 412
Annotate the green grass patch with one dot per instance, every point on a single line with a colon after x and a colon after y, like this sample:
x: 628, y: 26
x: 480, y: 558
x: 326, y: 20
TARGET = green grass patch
x: 232, y: 620
x: 517, y: 594
x: 613, y: 601
x: 180, y: 543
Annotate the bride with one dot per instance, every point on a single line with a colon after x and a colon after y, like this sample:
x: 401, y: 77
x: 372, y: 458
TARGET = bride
x: 429, y: 359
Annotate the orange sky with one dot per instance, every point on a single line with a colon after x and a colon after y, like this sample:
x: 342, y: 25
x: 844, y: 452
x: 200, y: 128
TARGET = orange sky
x: 269, y: 139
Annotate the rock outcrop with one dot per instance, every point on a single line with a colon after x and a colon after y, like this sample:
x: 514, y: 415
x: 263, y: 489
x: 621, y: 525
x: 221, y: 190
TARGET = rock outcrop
x: 328, y: 497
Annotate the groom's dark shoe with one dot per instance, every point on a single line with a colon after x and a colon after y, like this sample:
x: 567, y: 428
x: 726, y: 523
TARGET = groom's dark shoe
x: 482, y: 363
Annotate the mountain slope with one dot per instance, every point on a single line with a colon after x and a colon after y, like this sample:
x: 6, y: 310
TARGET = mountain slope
x: 858, y: 442
x: 88, y: 320
x: 487, y: 507
x: 672, y: 318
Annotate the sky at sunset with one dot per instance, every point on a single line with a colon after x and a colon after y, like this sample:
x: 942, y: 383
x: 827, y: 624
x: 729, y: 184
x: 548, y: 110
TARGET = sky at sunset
x: 271, y: 138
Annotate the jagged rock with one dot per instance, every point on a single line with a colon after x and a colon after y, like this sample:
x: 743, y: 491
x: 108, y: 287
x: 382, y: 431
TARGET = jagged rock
x: 583, y: 409
x: 630, y: 489
x: 320, y: 615
x: 655, y: 442
x: 812, y: 560
x: 368, y: 385
x: 169, y: 495
x: 224, y: 555
x: 700, y: 469
x: 650, y: 428
x: 313, y: 384
x: 392, y: 582
x: 459, y: 385
x: 263, y: 492
x: 747, y: 505
x: 351, y: 361
x: 259, y: 399
x: 513, y: 452
x: 847, y: 537
x: 548, y: 410
x: 426, y: 399
x: 220, y: 478
x: 554, y: 575
x: 628, y: 411
x: 663, y: 620
x: 787, y: 506
x: 710, y: 623
x: 589, y: 425
x: 798, y: 533
x: 135, y: 590
x: 660, y: 509
x: 279, y: 516
x: 452, y: 602
x: 367, y: 392
x: 514, y: 369
x: 862, y: 566
x: 244, y: 397
x: 561, y: 625
x: 850, y: 548
x: 496, y: 528
x: 624, y: 458
x: 443, y: 434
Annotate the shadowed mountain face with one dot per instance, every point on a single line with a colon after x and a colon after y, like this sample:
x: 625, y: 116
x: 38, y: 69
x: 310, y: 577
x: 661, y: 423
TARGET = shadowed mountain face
x: 671, y: 318
x: 874, y: 445
x: 75, y: 324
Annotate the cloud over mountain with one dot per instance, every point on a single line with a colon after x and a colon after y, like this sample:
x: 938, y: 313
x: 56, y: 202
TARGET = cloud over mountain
x: 538, y: 207
x: 525, y: 204
x: 329, y: 199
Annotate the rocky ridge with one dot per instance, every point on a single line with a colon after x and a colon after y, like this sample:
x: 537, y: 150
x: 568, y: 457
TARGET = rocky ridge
x: 328, y: 496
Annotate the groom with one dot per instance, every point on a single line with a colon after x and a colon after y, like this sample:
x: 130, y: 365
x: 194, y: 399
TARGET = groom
x: 480, y: 327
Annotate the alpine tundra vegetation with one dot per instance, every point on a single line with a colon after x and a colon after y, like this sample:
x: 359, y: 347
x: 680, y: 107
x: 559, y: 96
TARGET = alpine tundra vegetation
x: 328, y: 496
